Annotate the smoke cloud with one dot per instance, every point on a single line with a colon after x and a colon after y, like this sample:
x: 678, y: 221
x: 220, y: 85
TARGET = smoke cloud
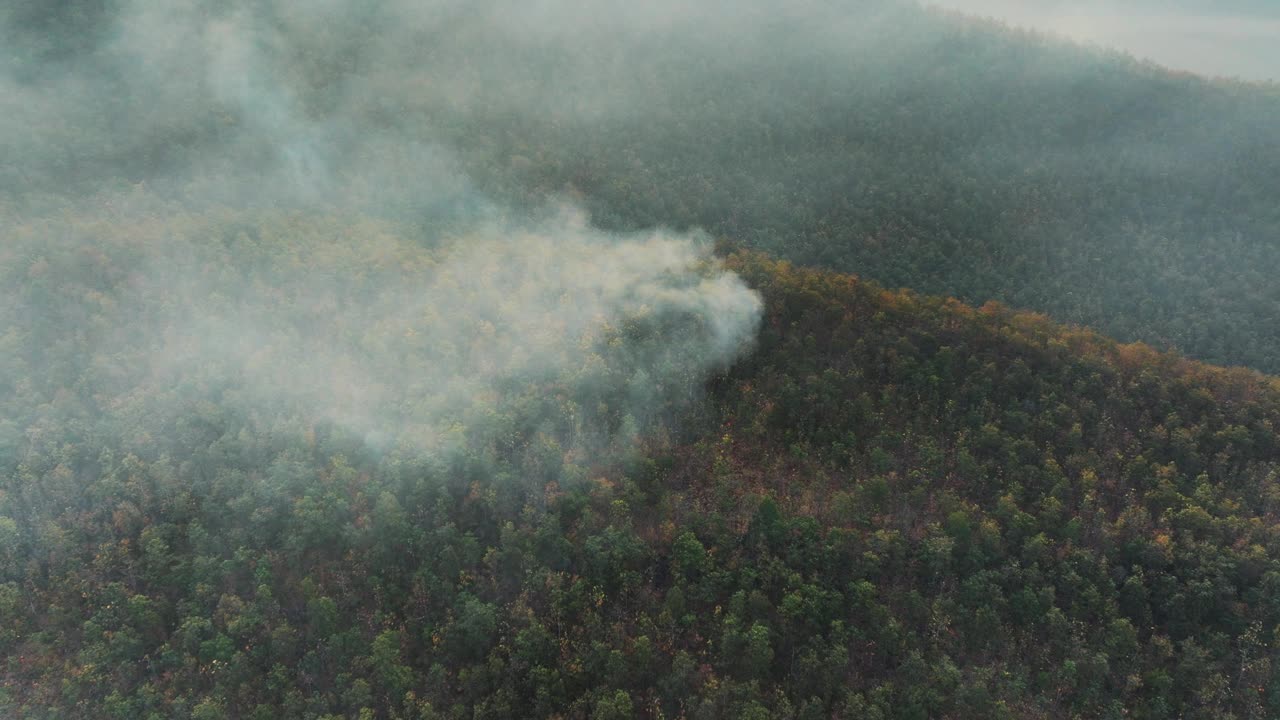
x: 247, y: 208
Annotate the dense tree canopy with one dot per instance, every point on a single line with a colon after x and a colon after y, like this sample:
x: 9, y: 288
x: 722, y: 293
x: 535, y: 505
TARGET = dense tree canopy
x: 897, y: 506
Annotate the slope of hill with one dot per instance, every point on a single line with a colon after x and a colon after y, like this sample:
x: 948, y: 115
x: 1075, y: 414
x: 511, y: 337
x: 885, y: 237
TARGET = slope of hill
x: 896, y: 506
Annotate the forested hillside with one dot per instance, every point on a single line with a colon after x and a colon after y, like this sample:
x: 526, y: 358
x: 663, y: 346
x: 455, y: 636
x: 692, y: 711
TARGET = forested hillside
x: 896, y: 506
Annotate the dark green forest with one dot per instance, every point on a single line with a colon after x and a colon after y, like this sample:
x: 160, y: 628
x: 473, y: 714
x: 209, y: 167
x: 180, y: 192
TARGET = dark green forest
x: 545, y: 360
x: 897, y: 506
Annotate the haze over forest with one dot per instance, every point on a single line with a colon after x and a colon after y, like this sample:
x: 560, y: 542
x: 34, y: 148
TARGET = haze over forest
x: 832, y: 358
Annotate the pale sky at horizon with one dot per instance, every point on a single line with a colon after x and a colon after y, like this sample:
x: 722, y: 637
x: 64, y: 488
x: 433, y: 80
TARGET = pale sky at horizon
x: 1198, y: 37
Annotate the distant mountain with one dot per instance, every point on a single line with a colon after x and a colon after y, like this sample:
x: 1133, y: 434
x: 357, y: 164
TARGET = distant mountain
x: 926, y: 151
x: 918, y: 148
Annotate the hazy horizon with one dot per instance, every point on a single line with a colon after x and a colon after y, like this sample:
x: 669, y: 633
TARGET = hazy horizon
x: 1240, y: 39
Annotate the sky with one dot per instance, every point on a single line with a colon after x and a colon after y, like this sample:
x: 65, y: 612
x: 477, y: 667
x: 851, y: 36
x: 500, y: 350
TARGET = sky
x: 1239, y: 38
